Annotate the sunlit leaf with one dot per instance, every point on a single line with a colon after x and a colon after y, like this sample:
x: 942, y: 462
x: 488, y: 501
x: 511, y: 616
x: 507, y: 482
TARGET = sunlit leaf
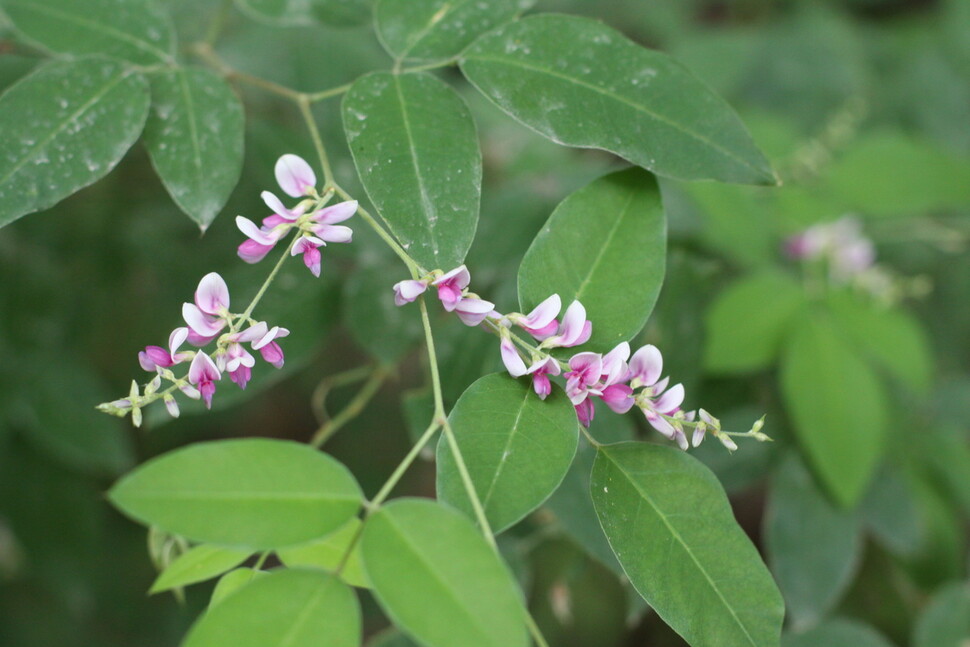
x: 329, y: 553
x: 198, y: 564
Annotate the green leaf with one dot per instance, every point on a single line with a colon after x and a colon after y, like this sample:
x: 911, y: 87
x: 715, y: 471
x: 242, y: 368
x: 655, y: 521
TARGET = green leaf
x: 837, y: 405
x: 391, y: 638
x: 232, y: 582
x: 340, y: 13
x: 254, y: 493
x: 945, y: 621
x: 67, y: 125
x: 282, y: 609
x: 891, y: 338
x: 434, y: 29
x: 437, y: 579
x: 888, y: 174
x: 747, y: 322
x: 889, y: 511
x: 381, y: 328
x: 328, y: 553
x: 426, y: 186
x: 672, y: 529
x: 139, y: 31
x: 813, y: 547
x: 195, y: 138
x: 199, y: 564
x: 517, y: 448
x: 580, y: 83
x: 604, y: 245
x: 837, y: 633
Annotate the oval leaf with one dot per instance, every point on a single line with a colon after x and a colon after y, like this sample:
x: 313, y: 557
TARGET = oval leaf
x: 135, y: 30
x: 307, y: 12
x: 581, y: 83
x: 747, y: 322
x: 837, y: 633
x: 517, y: 448
x: 425, y: 185
x: 328, y: 553
x: 232, y: 582
x: 672, y: 529
x: 945, y: 622
x: 813, y: 547
x: 606, y: 246
x: 66, y: 126
x: 254, y: 493
x: 282, y: 609
x: 195, y: 138
x: 438, y: 580
x: 433, y: 29
x: 838, y: 407
x: 198, y: 564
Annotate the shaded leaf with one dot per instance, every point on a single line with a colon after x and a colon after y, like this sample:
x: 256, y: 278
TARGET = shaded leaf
x: 426, y: 186
x: 307, y: 12
x: 517, y: 448
x: 945, y: 622
x: 606, y: 246
x: 232, y: 582
x: 837, y: 633
x: 198, y: 564
x: 68, y: 124
x: 581, y: 83
x: 328, y: 553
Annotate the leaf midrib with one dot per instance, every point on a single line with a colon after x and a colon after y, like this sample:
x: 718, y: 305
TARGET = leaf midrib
x: 620, y: 98
x: 503, y: 459
x: 684, y: 545
x: 193, y: 128
x: 602, y: 251
x: 99, y: 27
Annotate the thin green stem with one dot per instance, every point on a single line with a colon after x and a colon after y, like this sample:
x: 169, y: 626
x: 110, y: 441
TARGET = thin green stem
x: 592, y: 441
x: 353, y: 408
x: 269, y: 279
x: 204, y: 51
x: 534, y: 630
x: 429, y: 66
x: 466, y: 480
x: 304, y: 103
x: 392, y: 481
x: 366, y: 216
x: 313, y: 97
x: 439, y: 402
x: 218, y: 23
x: 344, y: 378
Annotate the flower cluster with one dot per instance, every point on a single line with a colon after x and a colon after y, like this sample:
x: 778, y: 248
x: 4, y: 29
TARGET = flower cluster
x: 317, y: 224
x: 616, y: 378
x: 840, y: 243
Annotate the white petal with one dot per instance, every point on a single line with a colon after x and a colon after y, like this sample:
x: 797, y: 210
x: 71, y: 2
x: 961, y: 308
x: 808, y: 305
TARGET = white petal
x: 212, y: 294
x: 294, y: 175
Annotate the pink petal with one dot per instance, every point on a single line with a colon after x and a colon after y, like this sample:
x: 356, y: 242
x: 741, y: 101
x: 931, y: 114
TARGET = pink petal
x: 458, y: 276
x: 473, y: 311
x: 408, y: 291
x: 154, y: 357
x: 334, y: 233
x: 591, y: 363
x: 618, y: 397
x: 670, y: 400
x: 450, y: 296
x: 646, y: 365
x: 176, y: 339
x: 212, y: 295
x: 277, y: 206
x: 241, y: 376
x: 548, y: 366
x: 543, y: 314
x: 273, y: 354
x: 545, y: 332
x: 511, y: 358
x: 659, y: 423
x: 252, y: 252
x: 541, y: 385
x: 614, y: 364
x: 336, y: 213
x: 276, y: 332
x: 294, y: 175
x: 698, y: 436
x: 203, y: 369
x: 201, y: 324
x: 311, y: 258
x: 249, y: 228
x: 253, y: 333
x: 585, y: 412
x: 198, y: 340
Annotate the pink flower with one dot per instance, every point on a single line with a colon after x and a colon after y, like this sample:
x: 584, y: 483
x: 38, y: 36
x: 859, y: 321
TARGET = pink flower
x: 155, y: 357
x: 408, y: 291
x: 584, y: 373
x: 210, y: 313
x: 473, y: 311
x: 540, y: 371
x: 510, y: 357
x: 203, y: 373
x: 295, y: 176
x: 541, y: 322
x: 585, y: 412
x: 655, y: 399
x: 323, y: 222
x: 451, y: 285
x: 309, y: 246
x: 575, y: 328
x: 268, y: 348
x: 261, y: 239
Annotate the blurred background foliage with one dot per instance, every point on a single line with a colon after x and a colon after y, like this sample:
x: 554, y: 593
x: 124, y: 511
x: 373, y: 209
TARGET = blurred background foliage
x: 863, y: 106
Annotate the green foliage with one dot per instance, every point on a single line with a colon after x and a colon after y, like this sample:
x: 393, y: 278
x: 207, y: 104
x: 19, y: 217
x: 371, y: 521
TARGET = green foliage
x: 199, y: 564
x: 426, y: 187
x: 253, y: 493
x: 945, y: 622
x: 438, y: 580
x: 517, y: 448
x: 837, y: 633
x: 306, y: 12
x: 70, y: 122
x: 289, y: 607
x: 195, y: 138
x: 329, y: 553
x: 604, y: 91
x: 605, y: 246
x: 698, y: 571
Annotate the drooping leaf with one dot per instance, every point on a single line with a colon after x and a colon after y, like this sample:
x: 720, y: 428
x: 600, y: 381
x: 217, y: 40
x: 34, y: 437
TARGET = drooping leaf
x: 328, y: 553
x: 671, y: 527
x: 232, y: 582
x: 581, y: 83
x: 282, y: 609
x: 746, y: 323
x: 889, y: 511
x: 254, y: 493
x: 837, y: 633
x: 198, y: 564
x: 517, y: 448
x: 437, y: 579
x: 425, y: 185
x: 837, y: 404
x: 945, y: 621
x: 604, y: 245
x: 66, y: 126
x: 432, y: 29
x: 339, y: 13
x: 195, y: 138
x: 813, y: 547
x: 139, y: 31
